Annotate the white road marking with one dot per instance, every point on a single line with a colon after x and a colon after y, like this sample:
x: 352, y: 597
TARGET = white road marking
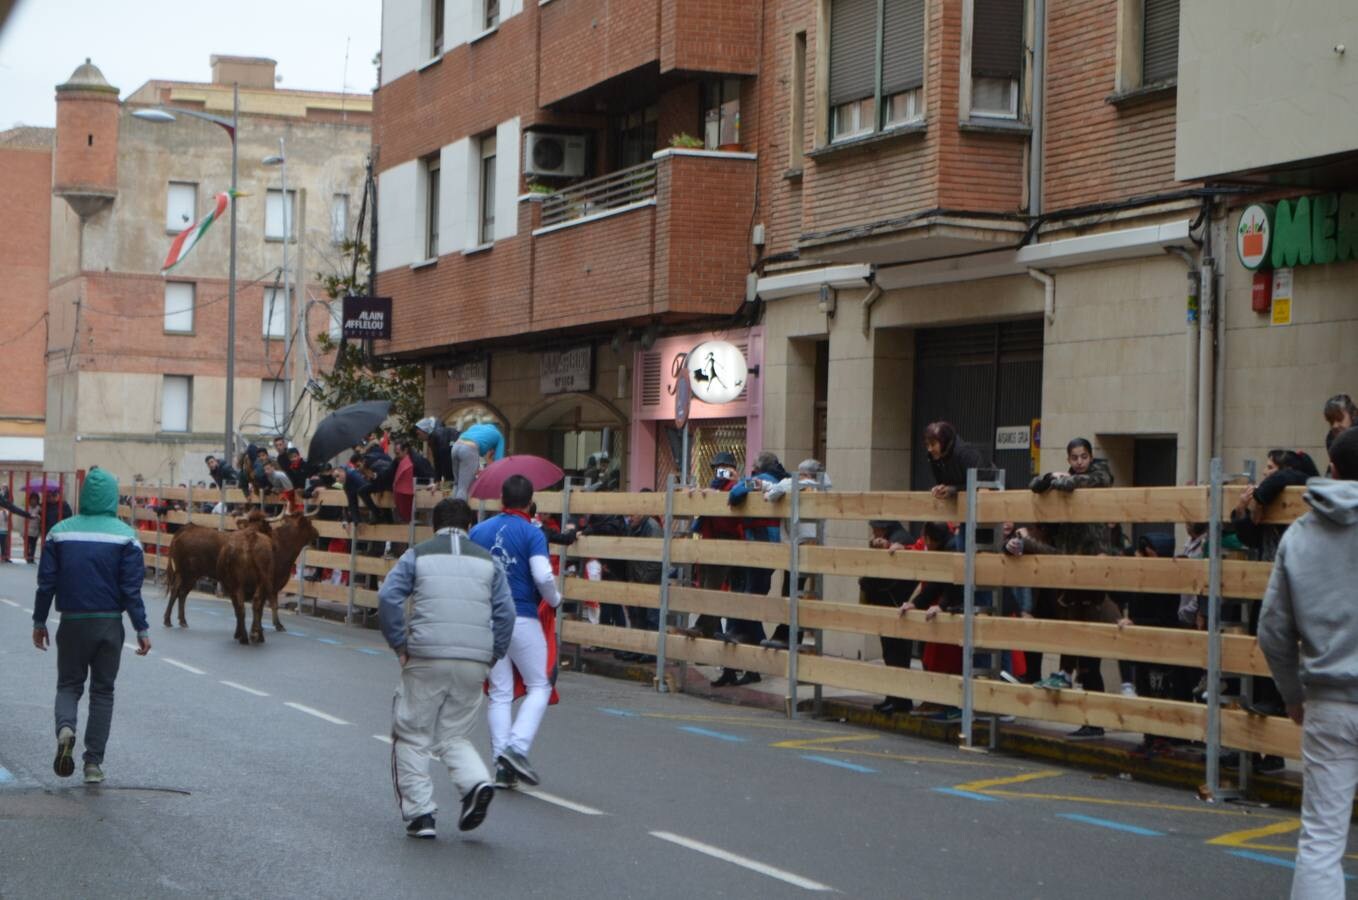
x: 241, y: 687
x: 9, y: 602
x: 752, y: 865
x: 27, y: 609
x: 131, y: 646
x: 185, y: 666
x: 384, y: 738
x: 316, y: 712
x: 562, y: 802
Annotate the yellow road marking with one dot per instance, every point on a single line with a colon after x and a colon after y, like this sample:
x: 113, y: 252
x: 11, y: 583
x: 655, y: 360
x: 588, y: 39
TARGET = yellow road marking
x: 981, y: 787
x: 1134, y: 804
x: 802, y: 743
x: 1246, y: 838
x: 747, y: 721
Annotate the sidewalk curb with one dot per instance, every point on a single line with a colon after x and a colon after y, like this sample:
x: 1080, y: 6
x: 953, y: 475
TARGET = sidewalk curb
x: 1108, y: 758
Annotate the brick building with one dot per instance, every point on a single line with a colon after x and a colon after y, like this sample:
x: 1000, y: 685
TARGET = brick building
x: 974, y: 210
x: 25, y: 201
x: 136, y: 361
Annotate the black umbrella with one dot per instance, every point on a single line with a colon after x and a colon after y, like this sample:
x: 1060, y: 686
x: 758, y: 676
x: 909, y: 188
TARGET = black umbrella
x: 345, y: 427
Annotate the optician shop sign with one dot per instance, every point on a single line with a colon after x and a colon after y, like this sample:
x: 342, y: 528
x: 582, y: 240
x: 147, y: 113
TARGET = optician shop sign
x: 1303, y: 231
x: 564, y: 371
x: 367, y: 317
x: 469, y: 379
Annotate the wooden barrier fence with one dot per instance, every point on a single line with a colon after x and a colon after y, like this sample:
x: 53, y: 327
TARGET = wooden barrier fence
x: 1238, y: 653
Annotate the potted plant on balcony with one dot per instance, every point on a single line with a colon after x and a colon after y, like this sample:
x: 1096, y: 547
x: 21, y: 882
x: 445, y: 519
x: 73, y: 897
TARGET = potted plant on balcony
x: 685, y: 141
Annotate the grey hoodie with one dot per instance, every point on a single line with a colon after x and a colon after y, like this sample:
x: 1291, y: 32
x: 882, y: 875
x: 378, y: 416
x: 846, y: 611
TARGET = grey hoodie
x: 1308, y: 629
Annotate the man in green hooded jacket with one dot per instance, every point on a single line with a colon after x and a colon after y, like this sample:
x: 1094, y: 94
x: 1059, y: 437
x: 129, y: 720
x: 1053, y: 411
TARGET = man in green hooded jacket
x: 92, y: 565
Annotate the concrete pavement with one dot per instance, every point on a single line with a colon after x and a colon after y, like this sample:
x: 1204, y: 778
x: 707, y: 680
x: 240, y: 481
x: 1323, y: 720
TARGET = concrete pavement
x: 264, y: 771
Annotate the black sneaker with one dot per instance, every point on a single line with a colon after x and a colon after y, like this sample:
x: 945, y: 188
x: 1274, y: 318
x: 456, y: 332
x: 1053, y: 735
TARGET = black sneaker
x: 726, y: 679
x: 749, y: 678
x: 518, y: 764
x: 474, y: 806
x: 505, y: 779
x: 64, y: 764
x: 421, y: 827
x: 1085, y: 733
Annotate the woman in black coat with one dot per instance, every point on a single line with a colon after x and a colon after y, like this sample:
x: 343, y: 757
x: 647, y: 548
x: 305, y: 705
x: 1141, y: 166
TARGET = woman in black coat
x: 949, y: 458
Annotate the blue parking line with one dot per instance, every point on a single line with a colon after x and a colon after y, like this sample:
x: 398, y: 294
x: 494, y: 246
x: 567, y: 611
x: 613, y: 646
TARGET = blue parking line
x: 968, y: 794
x: 5, y: 776
x: 1108, y: 823
x: 331, y: 641
x: 694, y: 729
x: 617, y: 712
x: 1274, y: 861
x: 839, y: 763
x: 370, y: 651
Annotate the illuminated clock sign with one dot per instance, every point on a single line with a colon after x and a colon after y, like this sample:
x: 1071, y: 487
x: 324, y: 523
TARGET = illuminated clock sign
x: 717, y: 371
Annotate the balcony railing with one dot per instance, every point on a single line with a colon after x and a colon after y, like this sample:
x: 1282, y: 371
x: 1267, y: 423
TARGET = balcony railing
x: 625, y: 187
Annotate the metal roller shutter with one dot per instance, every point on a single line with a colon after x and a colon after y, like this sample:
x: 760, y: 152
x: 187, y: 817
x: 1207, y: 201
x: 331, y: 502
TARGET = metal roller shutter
x: 1160, y: 41
x: 997, y: 38
x: 902, y: 46
x: 853, y: 50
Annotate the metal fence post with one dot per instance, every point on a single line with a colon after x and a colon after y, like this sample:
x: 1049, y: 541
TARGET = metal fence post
x: 158, y: 521
x: 818, y: 697
x: 563, y: 556
x: 794, y: 595
x: 1214, y: 633
x: 353, y: 572
x: 663, y: 634
x: 969, y: 611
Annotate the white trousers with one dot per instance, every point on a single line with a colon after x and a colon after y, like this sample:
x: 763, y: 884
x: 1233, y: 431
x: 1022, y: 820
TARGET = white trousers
x: 1329, y: 752
x: 434, y: 710
x: 527, y: 653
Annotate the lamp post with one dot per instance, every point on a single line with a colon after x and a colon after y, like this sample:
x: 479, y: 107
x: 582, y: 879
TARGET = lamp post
x: 281, y: 160
x: 162, y: 114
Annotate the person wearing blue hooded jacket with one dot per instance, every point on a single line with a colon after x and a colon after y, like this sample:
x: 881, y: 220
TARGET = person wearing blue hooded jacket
x: 92, y: 566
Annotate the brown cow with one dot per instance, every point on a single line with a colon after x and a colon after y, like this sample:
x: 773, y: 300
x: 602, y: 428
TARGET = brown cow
x: 295, y: 532
x: 245, y: 569
x: 193, y: 556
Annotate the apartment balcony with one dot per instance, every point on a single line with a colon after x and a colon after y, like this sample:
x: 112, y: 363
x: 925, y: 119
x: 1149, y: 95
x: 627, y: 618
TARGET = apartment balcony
x: 593, y: 44
x: 665, y: 239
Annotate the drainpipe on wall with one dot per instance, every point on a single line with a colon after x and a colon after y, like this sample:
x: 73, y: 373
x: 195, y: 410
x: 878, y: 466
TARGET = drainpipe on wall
x: 1206, y: 355
x: 1035, y: 148
x: 1049, y: 293
x: 1191, y: 338
x: 873, y: 295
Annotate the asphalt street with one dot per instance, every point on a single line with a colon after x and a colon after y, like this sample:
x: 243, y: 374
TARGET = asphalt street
x: 264, y: 771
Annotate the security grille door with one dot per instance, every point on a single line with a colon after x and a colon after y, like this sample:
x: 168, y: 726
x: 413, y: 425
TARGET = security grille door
x: 707, y: 438
x: 980, y: 378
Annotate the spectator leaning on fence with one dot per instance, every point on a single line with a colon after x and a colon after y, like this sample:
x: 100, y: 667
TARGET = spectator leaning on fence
x: 890, y: 535
x: 1308, y: 631
x: 481, y: 441
x: 446, y: 610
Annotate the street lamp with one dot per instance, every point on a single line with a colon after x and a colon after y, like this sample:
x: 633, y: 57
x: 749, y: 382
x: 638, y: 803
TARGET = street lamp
x: 281, y: 160
x: 161, y: 114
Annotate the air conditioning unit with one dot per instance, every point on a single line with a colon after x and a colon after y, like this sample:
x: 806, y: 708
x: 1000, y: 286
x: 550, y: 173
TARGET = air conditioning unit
x: 547, y: 153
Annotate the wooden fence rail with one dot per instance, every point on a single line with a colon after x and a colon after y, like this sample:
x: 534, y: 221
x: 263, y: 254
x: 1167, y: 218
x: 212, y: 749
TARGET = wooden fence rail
x: 1167, y: 578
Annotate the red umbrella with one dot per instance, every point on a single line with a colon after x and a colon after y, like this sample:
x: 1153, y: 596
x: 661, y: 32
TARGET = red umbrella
x: 403, y: 487
x: 543, y: 473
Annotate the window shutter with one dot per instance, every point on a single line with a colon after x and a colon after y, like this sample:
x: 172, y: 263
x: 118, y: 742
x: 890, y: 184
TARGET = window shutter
x: 902, y: 46
x: 997, y: 38
x: 1160, y: 41
x: 853, y: 50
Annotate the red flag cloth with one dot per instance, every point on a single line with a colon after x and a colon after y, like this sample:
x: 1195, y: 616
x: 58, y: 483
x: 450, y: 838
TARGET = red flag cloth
x: 403, y: 488
x: 546, y: 618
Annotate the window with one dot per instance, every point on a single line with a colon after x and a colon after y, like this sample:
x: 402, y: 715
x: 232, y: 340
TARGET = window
x: 721, y: 114
x: 492, y: 17
x: 176, y: 393
x: 1160, y: 41
x: 179, y: 307
x: 275, y: 313
x: 335, y: 312
x: 486, y: 229
x: 273, y: 406
x: 797, y: 124
x: 280, y: 218
x: 634, y: 136
x: 996, y: 57
x: 436, y: 42
x: 431, y: 207
x: 339, y: 218
x: 181, y: 206
x: 876, y: 65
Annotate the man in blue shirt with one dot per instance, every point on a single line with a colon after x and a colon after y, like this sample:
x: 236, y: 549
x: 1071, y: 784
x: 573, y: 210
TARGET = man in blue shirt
x: 92, y: 566
x: 521, y: 547
x: 483, y: 440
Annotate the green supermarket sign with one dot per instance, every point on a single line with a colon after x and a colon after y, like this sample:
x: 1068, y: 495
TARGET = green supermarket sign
x: 1312, y: 230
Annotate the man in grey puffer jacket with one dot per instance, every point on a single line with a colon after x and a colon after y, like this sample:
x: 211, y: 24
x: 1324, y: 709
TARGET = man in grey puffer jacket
x: 446, y: 610
x: 1308, y: 630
